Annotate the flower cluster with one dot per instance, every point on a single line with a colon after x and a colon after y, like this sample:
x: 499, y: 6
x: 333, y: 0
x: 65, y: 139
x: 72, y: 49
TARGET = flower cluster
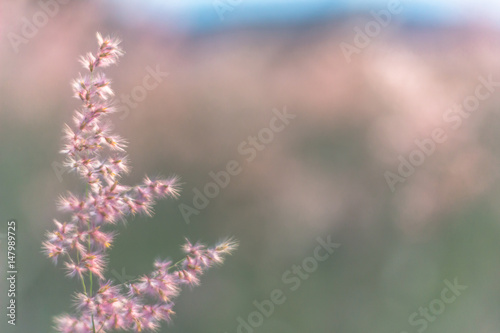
x: 148, y: 300
x: 98, y: 156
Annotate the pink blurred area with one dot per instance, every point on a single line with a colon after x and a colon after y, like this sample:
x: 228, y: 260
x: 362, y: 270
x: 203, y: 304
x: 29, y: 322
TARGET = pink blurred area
x: 222, y: 87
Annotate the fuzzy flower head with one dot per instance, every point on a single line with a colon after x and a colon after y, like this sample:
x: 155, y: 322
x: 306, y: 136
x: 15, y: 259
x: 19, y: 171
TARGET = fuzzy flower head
x: 109, y: 50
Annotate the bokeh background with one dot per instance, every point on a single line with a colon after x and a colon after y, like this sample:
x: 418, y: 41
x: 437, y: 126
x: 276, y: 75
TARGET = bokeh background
x: 230, y: 63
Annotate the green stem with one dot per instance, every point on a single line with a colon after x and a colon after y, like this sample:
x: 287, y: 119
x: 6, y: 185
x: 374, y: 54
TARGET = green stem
x: 173, y: 266
x: 90, y: 273
x: 83, y: 284
x: 100, y: 328
x: 89, y: 247
x: 177, y: 263
x: 83, y: 279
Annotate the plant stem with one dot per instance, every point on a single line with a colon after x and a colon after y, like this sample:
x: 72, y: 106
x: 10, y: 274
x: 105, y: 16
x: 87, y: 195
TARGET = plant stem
x: 177, y: 263
x: 83, y: 284
x: 90, y: 272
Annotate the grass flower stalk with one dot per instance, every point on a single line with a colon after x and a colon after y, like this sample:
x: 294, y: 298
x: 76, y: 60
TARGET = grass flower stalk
x: 83, y: 240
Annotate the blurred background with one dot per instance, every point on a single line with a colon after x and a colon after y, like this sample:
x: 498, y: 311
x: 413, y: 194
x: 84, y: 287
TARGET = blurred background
x: 370, y: 83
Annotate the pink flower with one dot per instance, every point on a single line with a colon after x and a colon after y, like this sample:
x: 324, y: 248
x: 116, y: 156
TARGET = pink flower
x: 99, y: 239
x: 109, y: 50
x: 52, y: 251
x: 75, y: 269
x: 95, y: 263
x: 101, y: 85
x: 65, y: 323
x: 82, y: 88
x: 88, y: 61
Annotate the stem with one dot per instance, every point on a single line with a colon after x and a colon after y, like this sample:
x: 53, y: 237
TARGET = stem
x: 100, y: 328
x: 89, y: 247
x: 89, y: 227
x: 83, y: 284
x: 177, y: 263
x: 83, y: 279
x: 90, y: 273
x: 173, y: 266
